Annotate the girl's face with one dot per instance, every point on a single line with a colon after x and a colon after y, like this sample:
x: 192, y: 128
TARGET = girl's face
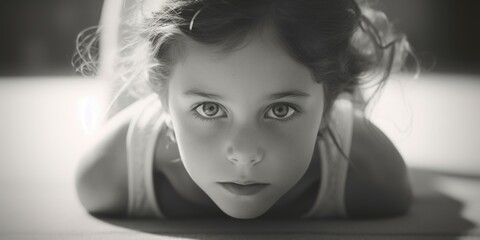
x: 245, y: 122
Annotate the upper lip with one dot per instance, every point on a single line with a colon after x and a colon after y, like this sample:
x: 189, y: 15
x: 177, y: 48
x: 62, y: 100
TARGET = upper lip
x: 244, y: 182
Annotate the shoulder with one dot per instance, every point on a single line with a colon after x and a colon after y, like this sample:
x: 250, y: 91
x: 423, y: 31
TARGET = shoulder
x: 101, y: 178
x: 377, y: 182
x: 110, y: 139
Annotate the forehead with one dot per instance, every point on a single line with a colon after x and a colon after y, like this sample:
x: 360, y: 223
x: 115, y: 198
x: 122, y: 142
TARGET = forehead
x: 259, y: 65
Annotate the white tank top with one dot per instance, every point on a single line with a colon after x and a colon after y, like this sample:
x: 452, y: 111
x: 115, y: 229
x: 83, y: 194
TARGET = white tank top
x: 146, y: 126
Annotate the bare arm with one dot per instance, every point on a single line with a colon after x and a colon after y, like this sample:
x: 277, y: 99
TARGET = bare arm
x: 377, y: 183
x: 101, y: 179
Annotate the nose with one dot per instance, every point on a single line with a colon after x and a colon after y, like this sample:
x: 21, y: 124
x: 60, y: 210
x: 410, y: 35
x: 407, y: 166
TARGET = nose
x: 245, y: 158
x: 245, y: 147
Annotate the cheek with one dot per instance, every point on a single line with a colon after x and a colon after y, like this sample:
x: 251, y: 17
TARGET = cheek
x: 198, y: 142
x: 301, y: 134
x: 292, y: 150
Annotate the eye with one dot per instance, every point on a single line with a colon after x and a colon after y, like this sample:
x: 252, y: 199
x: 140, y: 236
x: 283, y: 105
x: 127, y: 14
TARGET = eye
x: 281, y: 111
x: 207, y: 110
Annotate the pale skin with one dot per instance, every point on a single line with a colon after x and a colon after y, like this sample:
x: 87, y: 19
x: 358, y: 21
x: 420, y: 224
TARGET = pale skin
x: 249, y: 115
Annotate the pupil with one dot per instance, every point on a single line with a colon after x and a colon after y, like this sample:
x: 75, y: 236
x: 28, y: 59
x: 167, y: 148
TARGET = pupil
x: 280, y: 111
x: 210, y: 109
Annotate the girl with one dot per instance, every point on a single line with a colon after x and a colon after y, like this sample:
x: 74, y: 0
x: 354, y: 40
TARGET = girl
x: 252, y: 109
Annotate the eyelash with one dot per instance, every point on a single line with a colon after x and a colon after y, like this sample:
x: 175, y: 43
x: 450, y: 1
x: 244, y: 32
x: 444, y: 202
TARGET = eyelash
x: 296, y: 109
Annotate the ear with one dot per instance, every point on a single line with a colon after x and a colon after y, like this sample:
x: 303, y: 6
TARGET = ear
x: 323, y: 124
x: 168, y: 120
x: 323, y: 127
x: 170, y: 130
x: 164, y: 102
x: 166, y: 112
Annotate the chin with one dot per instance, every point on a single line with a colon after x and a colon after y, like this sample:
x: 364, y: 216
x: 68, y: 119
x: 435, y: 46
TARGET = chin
x: 244, y: 207
x: 244, y: 213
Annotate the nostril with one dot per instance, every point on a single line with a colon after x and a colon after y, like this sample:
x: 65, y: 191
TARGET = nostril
x: 234, y: 161
x: 251, y: 161
x: 237, y: 158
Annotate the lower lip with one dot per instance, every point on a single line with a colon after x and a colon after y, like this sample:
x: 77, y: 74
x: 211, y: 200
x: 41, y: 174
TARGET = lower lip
x: 244, y: 190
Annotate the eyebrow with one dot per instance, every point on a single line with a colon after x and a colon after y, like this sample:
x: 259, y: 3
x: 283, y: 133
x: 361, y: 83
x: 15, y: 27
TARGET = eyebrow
x: 291, y: 93
x: 274, y: 96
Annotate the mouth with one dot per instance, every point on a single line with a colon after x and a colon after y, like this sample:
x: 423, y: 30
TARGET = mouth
x: 243, y: 189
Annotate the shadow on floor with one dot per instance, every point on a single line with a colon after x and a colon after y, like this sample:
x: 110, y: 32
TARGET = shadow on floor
x: 434, y: 215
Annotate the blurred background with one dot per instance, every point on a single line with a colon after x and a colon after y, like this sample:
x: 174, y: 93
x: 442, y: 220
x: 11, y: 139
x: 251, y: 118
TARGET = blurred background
x: 38, y: 37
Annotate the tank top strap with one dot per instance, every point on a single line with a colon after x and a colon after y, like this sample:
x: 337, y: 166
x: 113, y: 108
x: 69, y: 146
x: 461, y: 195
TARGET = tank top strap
x: 142, y: 136
x: 334, y: 163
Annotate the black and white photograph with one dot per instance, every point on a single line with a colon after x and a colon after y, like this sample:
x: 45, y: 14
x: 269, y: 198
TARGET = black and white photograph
x: 240, y: 119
